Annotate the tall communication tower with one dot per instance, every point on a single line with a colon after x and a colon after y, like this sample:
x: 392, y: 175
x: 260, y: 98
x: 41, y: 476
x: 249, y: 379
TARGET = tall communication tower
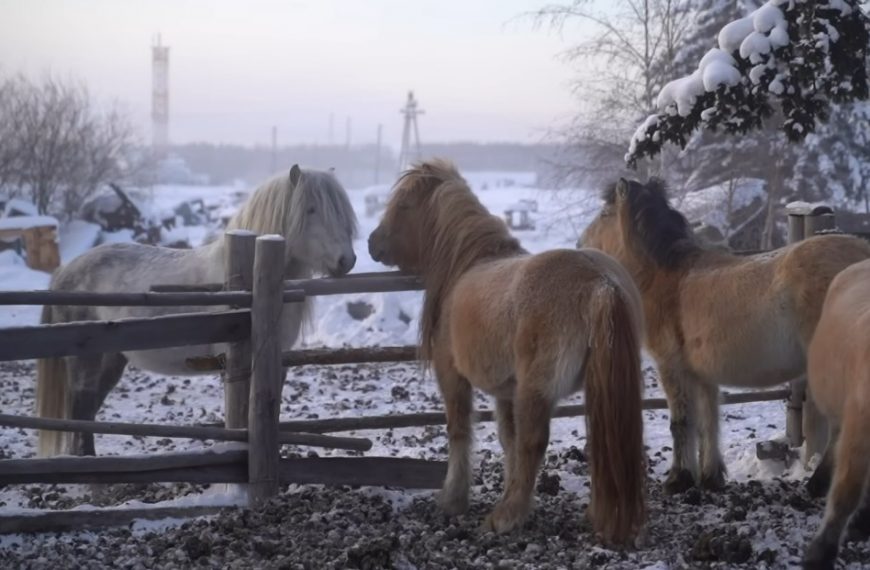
x: 409, y: 154
x: 159, y: 98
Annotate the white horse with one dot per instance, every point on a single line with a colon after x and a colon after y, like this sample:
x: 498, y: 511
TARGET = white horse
x: 309, y: 208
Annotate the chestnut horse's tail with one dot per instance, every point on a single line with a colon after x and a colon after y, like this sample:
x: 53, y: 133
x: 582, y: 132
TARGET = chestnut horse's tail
x: 614, y: 419
x: 51, y: 388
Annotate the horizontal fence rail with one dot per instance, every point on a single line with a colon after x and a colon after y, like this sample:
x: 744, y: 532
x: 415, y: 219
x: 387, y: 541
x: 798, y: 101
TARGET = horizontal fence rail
x: 192, y: 432
x: 96, y: 337
x: 374, y: 283
x: 371, y: 282
x: 143, y: 299
x: 423, y: 419
x: 319, y: 357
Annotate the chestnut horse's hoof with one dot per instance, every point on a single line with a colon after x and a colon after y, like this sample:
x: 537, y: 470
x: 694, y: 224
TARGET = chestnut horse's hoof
x: 859, y: 526
x: 504, y: 518
x: 452, y: 504
x: 820, y: 555
x: 679, y: 481
x: 819, y: 483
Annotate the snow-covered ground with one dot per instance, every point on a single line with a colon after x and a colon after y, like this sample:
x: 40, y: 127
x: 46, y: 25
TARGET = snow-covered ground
x: 312, y: 392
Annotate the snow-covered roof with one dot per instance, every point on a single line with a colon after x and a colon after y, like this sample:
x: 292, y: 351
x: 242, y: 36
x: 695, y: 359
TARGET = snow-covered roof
x: 26, y: 222
x: 22, y: 206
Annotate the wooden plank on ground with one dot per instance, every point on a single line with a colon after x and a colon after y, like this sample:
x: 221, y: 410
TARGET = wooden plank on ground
x: 204, y: 467
x: 66, y: 521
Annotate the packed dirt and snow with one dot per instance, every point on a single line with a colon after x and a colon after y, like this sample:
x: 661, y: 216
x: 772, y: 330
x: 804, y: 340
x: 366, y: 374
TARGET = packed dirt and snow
x: 763, y: 519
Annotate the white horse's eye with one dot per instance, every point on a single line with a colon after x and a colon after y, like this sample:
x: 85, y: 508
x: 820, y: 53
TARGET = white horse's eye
x: 311, y: 210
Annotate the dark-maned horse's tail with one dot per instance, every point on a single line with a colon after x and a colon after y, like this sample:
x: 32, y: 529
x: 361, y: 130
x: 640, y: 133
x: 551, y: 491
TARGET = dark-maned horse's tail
x: 51, y: 396
x: 614, y: 418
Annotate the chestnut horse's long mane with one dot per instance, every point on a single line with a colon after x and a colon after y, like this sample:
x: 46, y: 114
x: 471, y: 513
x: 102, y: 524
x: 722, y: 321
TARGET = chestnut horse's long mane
x: 461, y: 231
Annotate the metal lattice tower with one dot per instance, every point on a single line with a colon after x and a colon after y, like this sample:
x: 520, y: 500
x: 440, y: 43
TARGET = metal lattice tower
x: 159, y: 98
x: 409, y: 154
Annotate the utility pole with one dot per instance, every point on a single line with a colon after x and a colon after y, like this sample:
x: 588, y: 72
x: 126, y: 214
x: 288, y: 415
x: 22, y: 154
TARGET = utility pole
x: 330, y: 140
x: 407, y: 154
x: 378, y: 155
x: 274, y: 149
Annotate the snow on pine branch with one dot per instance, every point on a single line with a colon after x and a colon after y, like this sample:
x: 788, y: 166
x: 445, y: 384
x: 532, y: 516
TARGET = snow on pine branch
x: 795, y: 55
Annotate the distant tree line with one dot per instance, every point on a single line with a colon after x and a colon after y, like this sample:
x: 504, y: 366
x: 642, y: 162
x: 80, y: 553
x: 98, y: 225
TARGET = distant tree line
x: 356, y: 166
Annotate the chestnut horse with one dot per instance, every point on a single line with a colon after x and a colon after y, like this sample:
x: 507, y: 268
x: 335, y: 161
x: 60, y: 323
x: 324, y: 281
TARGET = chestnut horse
x: 713, y: 317
x: 529, y: 330
x: 839, y: 381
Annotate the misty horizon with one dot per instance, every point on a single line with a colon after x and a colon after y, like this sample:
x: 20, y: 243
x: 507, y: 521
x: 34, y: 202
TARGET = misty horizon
x: 481, y: 72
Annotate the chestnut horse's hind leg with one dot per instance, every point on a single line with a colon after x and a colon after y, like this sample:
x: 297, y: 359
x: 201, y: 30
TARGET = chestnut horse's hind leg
x: 850, y: 478
x: 504, y: 415
x: 681, y: 395
x: 457, y: 405
x: 712, y: 465
x: 532, y: 410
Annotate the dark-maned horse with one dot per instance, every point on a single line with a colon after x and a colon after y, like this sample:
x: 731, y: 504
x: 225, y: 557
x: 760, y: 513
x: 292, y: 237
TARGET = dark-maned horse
x: 713, y: 317
x: 529, y: 330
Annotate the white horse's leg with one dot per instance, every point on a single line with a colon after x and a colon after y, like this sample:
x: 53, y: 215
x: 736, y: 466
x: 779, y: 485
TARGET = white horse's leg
x: 681, y: 395
x: 110, y: 374
x: 712, y: 466
x: 84, y: 378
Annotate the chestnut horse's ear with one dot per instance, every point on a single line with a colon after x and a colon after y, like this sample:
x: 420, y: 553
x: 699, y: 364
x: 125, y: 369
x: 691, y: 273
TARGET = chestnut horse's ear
x: 295, y: 175
x: 621, y: 188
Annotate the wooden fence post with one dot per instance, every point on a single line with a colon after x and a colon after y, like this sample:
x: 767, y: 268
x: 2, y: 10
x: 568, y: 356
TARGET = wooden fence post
x: 239, y: 267
x: 267, y: 378
x: 814, y: 424
x: 794, y: 406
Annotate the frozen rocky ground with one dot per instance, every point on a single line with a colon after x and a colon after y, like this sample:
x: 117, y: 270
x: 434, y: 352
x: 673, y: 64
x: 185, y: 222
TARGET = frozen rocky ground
x: 762, y: 520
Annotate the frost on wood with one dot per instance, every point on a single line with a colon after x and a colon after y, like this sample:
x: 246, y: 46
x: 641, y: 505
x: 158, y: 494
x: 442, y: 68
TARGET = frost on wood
x: 796, y: 56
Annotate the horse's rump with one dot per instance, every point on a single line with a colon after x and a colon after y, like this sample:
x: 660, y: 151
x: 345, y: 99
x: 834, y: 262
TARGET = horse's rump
x: 840, y: 350
x: 839, y: 382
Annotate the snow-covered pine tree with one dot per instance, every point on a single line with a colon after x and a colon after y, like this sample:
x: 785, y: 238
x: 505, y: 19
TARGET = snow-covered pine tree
x: 795, y: 56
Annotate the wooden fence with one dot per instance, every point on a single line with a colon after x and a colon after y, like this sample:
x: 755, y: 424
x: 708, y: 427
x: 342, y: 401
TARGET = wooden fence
x: 252, y: 372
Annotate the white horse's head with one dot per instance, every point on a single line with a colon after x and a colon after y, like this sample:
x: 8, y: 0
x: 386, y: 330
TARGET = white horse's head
x: 313, y: 213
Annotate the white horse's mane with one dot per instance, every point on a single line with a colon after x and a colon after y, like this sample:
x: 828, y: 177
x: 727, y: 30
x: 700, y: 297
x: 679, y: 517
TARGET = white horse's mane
x: 278, y: 207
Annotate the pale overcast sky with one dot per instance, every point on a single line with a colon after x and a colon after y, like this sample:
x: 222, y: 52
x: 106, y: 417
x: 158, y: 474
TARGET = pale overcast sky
x: 239, y: 67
